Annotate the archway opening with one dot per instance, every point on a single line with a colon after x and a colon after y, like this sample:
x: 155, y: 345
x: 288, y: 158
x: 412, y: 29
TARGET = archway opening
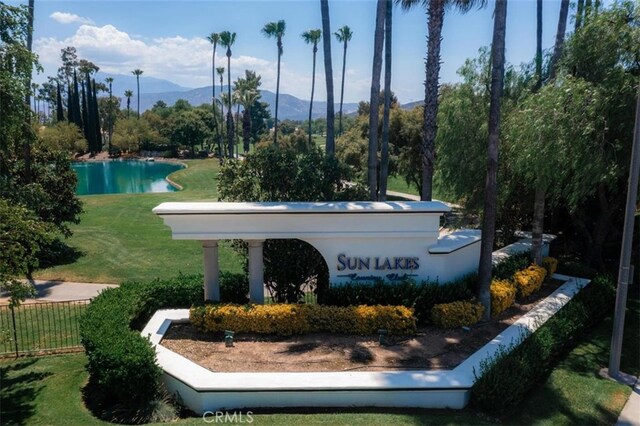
x: 294, y: 271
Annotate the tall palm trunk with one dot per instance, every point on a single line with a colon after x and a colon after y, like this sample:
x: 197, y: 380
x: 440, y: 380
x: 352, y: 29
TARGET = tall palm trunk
x: 557, y: 50
x: 435, y: 12
x: 538, y: 46
x: 579, y: 12
x: 378, y: 41
x: 229, y: 110
x: 275, y: 126
x: 328, y: 72
x: 220, y: 145
x: 213, y: 96
x: 344, y: 67
x: 384, y: 157
x: 138, y: 84
x: 491, y: 184
x: 246, y: 128
x: 26, y: 144
x: 313, y: 88
x: 540, y: 194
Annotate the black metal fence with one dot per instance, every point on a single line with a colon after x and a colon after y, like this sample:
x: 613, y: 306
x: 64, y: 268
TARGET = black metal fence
x: 40, y: 328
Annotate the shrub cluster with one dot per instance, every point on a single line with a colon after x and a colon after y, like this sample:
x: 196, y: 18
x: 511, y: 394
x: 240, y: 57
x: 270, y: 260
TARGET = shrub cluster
x: 503, y: 295
x: 529, y: 280
x: 509, y: 266
x: 457, y: 314
x: 288, y: 319
x: 550, y: 264
x: 505, y: 380
x: 121, y: 363
x: 421, y: 297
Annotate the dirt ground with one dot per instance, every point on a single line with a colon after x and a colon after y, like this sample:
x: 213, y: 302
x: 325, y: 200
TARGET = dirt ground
x: 430, y: 348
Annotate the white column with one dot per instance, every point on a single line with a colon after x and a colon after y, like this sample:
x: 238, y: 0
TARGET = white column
x: 256, y: 272
x: 211, y: 271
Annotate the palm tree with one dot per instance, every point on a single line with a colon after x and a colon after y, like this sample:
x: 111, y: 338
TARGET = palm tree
x: 540, y: 192
x: 378, y: 40
x: 384, y: 155
x: 214, y: 38
x: 343, y: 35
x: 227, y: 39
x: 435, y: 14
x: 538, y: 83
x: 491, y: 185
x: 109, y: 81
x: 138, y: 73
x: 579, y: 11
x: 328, y: 75
x: 312, y: 37
x: 220, y: 71
x: 128, y: 94
x: 276, y: 30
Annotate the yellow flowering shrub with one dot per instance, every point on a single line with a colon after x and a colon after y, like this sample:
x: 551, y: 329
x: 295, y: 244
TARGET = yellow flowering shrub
x: 529, y: 280
x: 550, y: 264
x: 503, y: 295
x: 288, y: 319
x: 456, y: 314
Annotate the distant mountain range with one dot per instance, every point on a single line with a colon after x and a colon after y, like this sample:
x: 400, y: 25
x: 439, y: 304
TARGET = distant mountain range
x: 289, y: 107
x: 155, y: 89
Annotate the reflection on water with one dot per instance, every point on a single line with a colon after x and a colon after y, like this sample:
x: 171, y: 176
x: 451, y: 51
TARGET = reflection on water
x: 123, y: 177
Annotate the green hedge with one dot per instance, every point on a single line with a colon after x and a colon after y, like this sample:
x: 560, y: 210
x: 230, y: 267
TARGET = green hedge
x: 420, y: 296
x: 122, y: 363
x: 505, y: 380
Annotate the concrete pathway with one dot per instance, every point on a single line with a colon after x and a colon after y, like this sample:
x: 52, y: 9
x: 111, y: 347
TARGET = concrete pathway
x: 630, y: 415
x: 51, y: 291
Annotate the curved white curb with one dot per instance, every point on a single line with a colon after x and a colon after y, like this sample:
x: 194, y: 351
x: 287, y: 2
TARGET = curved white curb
x: 204, y: 390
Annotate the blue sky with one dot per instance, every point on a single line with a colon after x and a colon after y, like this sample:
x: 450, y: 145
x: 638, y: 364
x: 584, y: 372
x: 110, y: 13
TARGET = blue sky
x: 166, y: 40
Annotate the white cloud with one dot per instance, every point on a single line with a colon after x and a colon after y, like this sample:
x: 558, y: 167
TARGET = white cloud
x: 69, y: 18
x: 185, y: 61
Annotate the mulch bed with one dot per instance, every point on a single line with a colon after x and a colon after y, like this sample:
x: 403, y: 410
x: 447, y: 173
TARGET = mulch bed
x: 430, y: 348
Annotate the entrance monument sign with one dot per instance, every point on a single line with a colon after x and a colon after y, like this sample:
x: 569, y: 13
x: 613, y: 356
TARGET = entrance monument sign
x: 359, y: 241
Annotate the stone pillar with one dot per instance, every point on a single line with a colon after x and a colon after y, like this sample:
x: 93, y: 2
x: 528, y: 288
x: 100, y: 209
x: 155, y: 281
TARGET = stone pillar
x: 256, y: 272
x: 211, y: 271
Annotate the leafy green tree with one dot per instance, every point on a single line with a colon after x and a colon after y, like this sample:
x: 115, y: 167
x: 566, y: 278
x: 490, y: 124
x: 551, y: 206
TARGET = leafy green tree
x: 63, y: 136
x: 276, y: 173
x: 435, y: 14
x: 312, y: 37
x: 343, y: 35
x: 138, y: 72
x: 188, y: 130
x: 130, y: 134
x: 276, y: 30
x: 22, y: 238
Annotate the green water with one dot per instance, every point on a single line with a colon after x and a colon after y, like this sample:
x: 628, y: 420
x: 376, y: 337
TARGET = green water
x: 123, y: 177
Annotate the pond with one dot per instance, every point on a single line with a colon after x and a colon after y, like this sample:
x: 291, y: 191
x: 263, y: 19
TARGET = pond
x: 123, y: 177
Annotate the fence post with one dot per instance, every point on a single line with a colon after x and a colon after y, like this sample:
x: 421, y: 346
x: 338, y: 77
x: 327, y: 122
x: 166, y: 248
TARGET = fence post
x: 15, y: 332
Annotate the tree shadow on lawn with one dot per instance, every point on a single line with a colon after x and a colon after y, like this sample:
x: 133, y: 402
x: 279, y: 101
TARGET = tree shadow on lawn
x: 59, y: 253
x: 19, y: 387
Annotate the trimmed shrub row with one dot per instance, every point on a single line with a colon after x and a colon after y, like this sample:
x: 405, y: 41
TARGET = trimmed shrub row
x: 122, y: 362
x: 288, y: 319
x: 529, y: 280
x: 503, y: 295
x: 419, y: 296
x: 457, y: 314
x: 505, y: 380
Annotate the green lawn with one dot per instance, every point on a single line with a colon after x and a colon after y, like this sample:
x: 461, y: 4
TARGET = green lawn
x: 121, y: 239
x: 48, y: 391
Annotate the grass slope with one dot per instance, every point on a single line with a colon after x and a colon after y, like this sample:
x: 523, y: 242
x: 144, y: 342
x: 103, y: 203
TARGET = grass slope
x: 121, y: 239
